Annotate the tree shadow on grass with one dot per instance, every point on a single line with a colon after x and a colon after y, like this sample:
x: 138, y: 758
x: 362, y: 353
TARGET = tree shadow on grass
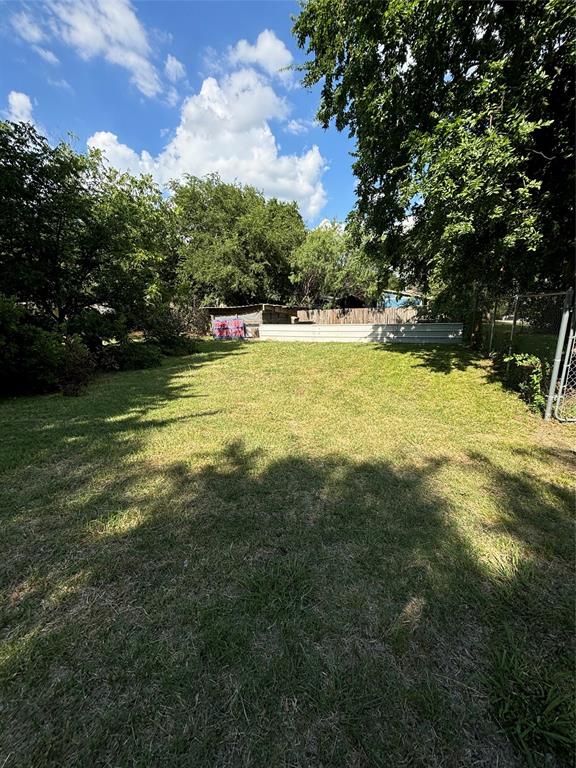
x: 535, y: 508
x: 441, y: 358
x: 258, y: 611
x: 40, y: 428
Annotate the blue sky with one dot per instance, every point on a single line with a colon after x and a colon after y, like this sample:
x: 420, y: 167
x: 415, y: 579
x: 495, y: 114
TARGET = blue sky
x: 177, y: 87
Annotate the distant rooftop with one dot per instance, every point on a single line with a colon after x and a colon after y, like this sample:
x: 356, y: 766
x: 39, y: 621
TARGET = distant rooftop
x: 247, y: 306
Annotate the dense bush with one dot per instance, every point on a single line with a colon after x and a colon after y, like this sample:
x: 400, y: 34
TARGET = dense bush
x: 525, y: 374
x: 129, y: 355
x: 167, y: 326
x: 30, y: 356
x: 77, y: 366
x: 39, y: 360
x: 35, y: 360
x: 180, y: 346
x: 96, y: 326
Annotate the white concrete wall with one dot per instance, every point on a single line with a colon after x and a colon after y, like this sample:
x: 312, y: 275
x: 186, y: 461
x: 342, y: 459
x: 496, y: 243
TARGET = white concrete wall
x: 413, y: 333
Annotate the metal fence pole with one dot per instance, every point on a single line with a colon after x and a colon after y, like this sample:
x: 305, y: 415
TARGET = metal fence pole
x: 514, y: 317
x: 558, y: 353
x: 492, y: 324
x: 565, y: 370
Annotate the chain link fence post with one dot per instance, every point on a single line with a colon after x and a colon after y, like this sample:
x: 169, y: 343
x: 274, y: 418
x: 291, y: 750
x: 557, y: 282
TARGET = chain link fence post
x: 559, y: 352
x: 492, y: 326
x: 510, y: 345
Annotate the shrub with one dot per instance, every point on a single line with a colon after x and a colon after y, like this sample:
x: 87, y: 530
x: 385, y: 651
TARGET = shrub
x: 138, y: 354
x: 525, y: 374
x: 40, y: 360
x: 96, y: 327
x: 182, y: 345
x: 77, y: 366
x: 167, y: 327
x: 30, y: 357
x: 108, y: 358
x: 197, y: 321
x: 129, y: 355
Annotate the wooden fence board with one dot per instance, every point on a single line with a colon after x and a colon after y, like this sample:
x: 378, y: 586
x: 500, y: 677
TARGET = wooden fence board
x: 360, y: 315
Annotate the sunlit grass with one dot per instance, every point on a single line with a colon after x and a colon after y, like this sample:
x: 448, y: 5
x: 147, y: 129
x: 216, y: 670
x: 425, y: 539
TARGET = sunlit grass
x: 285, y: 554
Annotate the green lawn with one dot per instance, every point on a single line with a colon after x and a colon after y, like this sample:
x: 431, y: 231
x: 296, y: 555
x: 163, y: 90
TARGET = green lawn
x: 279, y: 554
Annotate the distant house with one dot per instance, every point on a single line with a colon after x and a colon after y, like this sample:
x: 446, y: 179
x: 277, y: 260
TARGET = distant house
x: 399, y: 300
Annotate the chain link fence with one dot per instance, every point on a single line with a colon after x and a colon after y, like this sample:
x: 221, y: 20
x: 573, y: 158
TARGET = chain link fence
x: 565, y: 397
x: 530, y: 324
x: 526, y: 323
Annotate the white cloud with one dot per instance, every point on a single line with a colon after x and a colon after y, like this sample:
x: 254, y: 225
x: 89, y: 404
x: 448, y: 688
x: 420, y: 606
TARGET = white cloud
x: 27, y: 28
x: 212, y: 62
x: 62, y: 83
x: 30, y: 31
x: 172, y: 97
x: 225, y: 128
x: 107, y: 28
x: 19, y: 108
x: 119, y: 155
x: 174, y: 69
x: 46, y: 54
x: 94, y: 28
x: 298, y: 126
x: 269, y: 53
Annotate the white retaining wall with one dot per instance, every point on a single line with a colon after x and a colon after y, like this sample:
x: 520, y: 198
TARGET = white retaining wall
x: 410, y: 333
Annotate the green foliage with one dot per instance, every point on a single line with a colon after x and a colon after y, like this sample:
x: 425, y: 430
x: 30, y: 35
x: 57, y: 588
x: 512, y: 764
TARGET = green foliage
x: 167, y: 325
x: 49, y: 238
x: 75, y: 235
x: 95, y: 327
x: 327, y: 267
x: 88, y: 250
x: 30, y: 356
x: 33, y: 359
x: 525, y: 374
x: 140, y: 252
x: 463, y: 115
x: 77, y: 366
x: 129, y: 356
x: 234, y: 246
x: 38, y: 362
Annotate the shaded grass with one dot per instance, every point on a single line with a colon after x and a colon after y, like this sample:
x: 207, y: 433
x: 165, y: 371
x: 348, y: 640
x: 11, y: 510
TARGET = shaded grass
x: 526, y: 340
x: 285, y: 554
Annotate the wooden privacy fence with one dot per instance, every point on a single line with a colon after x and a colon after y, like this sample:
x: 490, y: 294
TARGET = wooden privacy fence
x: 357, y: 316
x: 395, y: 333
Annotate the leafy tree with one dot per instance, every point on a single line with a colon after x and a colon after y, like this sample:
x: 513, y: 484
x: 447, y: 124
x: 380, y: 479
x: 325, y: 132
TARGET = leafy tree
x: 234, y: 245
x: 463, y: 115
x: 138, y: 271
x: 74, y: 234
x: 327, y: 267
x: 49, y: 237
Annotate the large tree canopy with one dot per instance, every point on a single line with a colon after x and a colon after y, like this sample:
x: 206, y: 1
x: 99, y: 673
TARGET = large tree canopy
x: 463, y: 116
x: 74, y: 233
x: 235, y: 246
x: 328, y: 268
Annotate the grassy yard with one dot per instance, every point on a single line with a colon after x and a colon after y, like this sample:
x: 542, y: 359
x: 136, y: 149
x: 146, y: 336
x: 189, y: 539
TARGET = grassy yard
x: 275, y: 554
